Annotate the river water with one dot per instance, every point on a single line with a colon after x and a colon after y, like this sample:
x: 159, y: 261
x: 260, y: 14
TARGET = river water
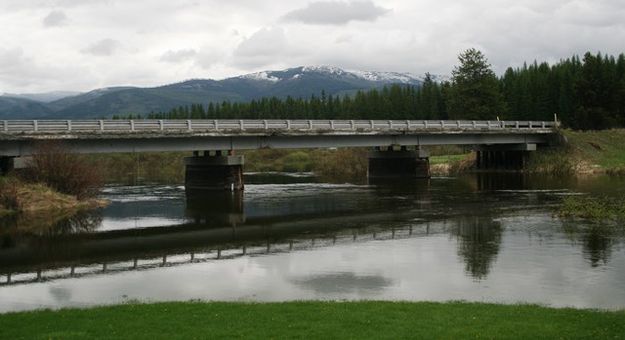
x: 477, y: 238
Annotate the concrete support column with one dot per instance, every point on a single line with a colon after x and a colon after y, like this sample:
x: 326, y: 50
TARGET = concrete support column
x: 407, y: 164
x: 214, y: 173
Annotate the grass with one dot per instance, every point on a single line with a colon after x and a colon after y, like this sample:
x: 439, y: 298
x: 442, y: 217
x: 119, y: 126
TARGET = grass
x: 353, y: 320
x: 37, y: 205
x: 594, y: 208
x: 447, y: 159
x: 600, y: 151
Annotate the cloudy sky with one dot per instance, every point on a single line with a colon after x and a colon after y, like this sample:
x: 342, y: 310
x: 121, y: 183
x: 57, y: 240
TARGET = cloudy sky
x: 80, y: 45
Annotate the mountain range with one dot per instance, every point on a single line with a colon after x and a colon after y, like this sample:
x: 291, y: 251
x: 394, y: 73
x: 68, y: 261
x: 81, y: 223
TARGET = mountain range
x: 302, y: 81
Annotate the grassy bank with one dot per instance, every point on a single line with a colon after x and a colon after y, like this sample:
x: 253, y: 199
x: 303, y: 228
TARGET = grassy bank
x: 37, y: 204
x: 587, y: 152
x: 356, y: 320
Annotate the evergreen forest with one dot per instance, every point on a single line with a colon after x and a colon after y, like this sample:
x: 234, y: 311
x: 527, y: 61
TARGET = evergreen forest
x: 586, y: 93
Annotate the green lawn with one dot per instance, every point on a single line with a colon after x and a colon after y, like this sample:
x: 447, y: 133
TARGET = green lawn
x: 605, y: 148
x: 356, y: 320
x: 447, y: 159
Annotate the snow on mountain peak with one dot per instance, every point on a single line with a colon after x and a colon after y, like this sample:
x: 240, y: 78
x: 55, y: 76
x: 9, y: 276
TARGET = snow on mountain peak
x: 263, y: 76
x: 372, y: 76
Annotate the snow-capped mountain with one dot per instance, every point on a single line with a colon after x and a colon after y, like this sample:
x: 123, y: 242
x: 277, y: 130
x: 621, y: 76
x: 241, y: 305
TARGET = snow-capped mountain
x: 337, y: 73
x: 302, y: 81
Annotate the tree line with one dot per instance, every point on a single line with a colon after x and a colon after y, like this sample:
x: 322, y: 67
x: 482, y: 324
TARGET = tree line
x: 585, y: 93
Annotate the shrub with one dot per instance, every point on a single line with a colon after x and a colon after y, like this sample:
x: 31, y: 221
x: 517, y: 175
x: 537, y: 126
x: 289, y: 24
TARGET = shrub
x: 65, y: 172
x: 9, y: 198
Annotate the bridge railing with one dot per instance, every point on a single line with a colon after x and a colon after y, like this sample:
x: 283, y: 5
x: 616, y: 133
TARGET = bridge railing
x: 207, y: 125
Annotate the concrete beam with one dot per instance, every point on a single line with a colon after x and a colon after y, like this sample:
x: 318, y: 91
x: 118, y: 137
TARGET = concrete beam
x: 115, y: 145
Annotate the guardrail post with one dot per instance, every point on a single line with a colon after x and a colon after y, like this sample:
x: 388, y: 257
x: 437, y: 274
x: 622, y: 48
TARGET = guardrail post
x: 189, y: 127
x: 351, y: 124
x: 390, y: 125
x: 35, y: 126
x: 161, y: 125
x: 543, y: 124
x: 132, y: 125
x: 516, y: 124
x: 288, y: 124
x: 489, y: 124
x: 69, y: 125
x: 529, y: 124
x: 265, y: 124
x: 216, y: 126
x: 6, y: 126
x: 458, y: 124
x: 425, y: 124
x: 442, y: 125
x: 310, y: 125
x: 474, y: 124
x: 408, y: 124
x: 372, y: 124
x: 332, y: 125
x: 101, y: 125
x: 241, y: 125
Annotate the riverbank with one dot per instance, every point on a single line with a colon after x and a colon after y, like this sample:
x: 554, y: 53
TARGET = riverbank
x: 314, y: 320
x: 37, y: 204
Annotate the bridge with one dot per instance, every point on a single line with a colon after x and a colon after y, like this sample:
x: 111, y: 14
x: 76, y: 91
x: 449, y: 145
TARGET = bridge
x: 399, y: 144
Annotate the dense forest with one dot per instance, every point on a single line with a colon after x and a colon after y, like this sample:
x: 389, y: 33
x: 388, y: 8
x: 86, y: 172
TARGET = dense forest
x: 585, y: 93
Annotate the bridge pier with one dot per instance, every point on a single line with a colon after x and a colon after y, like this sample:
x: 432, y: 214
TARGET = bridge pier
x: 213, y: 172
x: 398, y: 164
x: 513, y: 157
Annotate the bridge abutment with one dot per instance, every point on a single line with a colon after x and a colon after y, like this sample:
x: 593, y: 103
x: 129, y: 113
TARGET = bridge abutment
x: 398, y: 164
x: 214, y: 172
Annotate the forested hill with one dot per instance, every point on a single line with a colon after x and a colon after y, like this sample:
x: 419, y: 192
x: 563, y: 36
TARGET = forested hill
x: 585, y: 93
x: 295, y: 82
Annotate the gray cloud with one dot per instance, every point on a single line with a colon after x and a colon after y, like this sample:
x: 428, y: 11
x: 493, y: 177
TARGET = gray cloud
x: 155, y: 37
x: 104, y: 47
x: 55, y: 18
x: 336, y: 12
x: 261, y: 48
x: 178, y: 55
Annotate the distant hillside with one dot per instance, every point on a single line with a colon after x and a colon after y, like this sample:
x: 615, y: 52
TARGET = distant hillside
x: 295, y: 82
x: 19, y: 108
x: 45, y: 97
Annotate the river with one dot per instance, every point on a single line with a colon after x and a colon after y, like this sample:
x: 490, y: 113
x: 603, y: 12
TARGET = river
x: 487, y: 238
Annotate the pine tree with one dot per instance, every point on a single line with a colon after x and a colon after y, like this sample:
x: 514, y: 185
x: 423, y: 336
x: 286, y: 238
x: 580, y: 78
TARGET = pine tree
x: 475, y: 91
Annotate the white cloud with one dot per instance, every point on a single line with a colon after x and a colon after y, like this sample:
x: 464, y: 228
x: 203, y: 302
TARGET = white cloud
x: 336, y: 12
x: 261, y: 48
x: 178, y: 55
x: 55, y: 18
x: 104, y: 47
x: 153, y: 42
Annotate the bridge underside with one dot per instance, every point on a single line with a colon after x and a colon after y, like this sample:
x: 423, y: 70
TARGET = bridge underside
x: 224, y: 172
x: 110, y: 144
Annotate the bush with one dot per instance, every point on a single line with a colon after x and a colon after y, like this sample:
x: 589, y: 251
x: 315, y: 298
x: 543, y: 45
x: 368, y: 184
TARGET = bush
x: 9, y: 198
x: 341, y: 165
x: 67, y: 173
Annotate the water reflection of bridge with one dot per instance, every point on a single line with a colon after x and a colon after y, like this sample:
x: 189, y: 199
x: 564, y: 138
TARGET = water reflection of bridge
x: 241, y: 243
x: 223, y: 227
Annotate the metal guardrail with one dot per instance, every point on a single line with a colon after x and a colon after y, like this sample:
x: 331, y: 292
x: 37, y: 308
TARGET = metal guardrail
x: 208, y: 125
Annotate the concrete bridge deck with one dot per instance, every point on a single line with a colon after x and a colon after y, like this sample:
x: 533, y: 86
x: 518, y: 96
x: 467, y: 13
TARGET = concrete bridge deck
x: 17, y: 137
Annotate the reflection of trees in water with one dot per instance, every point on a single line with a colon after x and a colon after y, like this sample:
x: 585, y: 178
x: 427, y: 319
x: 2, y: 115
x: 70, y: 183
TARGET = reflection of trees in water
x: 85, y: 221
x: 596, y: 239
x: 479, y: 239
